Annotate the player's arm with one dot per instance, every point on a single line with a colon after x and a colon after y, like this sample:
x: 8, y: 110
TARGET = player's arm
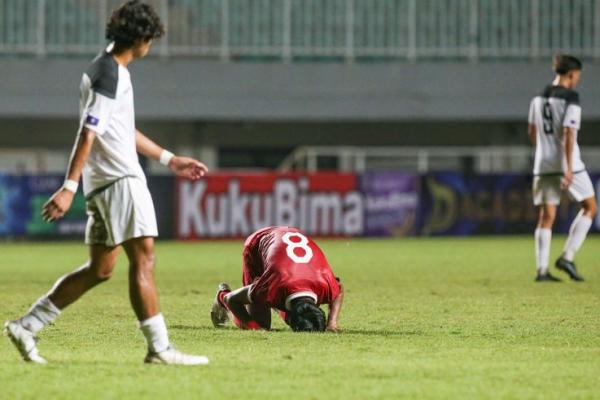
x: 571, y: 124
x: 60, y: 202
x: 531, y: 130
x: 236, y: 303
x: 569, y: 143
x: 182, y: 166
x: 334, y: 311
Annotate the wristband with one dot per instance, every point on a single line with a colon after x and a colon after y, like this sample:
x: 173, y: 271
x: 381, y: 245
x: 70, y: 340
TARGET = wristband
x: 165, y: 157
x: 70, y: 185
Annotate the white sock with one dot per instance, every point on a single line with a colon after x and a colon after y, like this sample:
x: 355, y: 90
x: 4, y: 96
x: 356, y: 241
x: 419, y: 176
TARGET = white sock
x: 41, y: 313
x: 543, y: 238
x: 155, y: 332
x: 577, y: 233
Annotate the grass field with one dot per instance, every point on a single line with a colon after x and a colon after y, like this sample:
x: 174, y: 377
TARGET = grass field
x: 423, y: 319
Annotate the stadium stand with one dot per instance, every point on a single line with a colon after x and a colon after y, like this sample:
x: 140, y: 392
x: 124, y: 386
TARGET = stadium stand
x: 272, y: 75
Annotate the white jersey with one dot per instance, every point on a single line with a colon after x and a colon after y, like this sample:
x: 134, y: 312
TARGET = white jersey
x: 106, y: 107
x: 556, y: 108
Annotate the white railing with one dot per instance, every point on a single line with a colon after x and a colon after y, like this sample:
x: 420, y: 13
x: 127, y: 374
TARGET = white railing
x: 480, y: 159
x: 319, y: 29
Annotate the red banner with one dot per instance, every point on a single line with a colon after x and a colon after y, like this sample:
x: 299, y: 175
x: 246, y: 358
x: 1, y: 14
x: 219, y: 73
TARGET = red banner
x: 235, y: 205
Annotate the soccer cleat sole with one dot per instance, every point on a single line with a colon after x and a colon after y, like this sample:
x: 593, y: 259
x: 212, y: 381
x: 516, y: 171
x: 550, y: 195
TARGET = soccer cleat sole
x: 218, y: 313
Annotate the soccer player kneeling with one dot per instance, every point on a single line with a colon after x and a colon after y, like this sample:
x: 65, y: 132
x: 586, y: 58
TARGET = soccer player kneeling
x: 285, y: 270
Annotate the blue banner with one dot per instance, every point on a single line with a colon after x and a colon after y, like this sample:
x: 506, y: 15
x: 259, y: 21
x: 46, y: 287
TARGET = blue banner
x: 453, y: 203
x: 21, y: 201
x: 391, y: 203
x: 388, y: 204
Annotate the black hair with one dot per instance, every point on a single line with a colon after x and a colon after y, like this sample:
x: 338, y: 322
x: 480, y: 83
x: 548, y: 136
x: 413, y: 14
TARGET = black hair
x: 132, y: 22
x: 564, y: 63
x: 306, y: 316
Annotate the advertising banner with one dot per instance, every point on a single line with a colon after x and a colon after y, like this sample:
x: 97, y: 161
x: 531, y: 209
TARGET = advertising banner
x: 162, y: 189
x: 322, y: 204
x: 22, y: 198
x: 21, y: 201
x: 235, y: 205
x: 457, y: 204
x: 391, y: 203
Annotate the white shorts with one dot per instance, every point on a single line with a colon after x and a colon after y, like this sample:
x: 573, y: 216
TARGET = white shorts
x: 546, y: 188
x: 122, y: 211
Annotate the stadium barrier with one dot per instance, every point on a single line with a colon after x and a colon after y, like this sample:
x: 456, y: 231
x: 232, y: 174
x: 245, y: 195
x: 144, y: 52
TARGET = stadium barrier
x: 372, y: 204
x: 352, y: 30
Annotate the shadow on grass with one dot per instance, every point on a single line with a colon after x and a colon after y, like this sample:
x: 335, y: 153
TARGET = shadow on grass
x: 361, y: 332
x: 382, y: 333
x: 194, y: 328
x: 213, y: 329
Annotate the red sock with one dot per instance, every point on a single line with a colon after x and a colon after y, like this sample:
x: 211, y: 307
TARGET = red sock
x: 221, y: 297
x: 251, y: 325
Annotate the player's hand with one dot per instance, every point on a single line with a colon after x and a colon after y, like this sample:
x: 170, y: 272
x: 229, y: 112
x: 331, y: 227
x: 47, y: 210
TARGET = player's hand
x: 187, y: 167
x: 58, y: 205
x: 567, y: 179
x: 331, y: 327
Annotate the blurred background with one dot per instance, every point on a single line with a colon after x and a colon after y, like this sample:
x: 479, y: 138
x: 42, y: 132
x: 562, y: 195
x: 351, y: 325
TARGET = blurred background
x: 342, y: 117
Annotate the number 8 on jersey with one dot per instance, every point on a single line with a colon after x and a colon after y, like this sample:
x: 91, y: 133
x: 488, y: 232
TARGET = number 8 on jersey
x: 302, y: 244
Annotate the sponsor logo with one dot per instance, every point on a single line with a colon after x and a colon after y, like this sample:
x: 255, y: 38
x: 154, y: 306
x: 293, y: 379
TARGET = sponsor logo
x: 233, y: 212
x: 92, y: 120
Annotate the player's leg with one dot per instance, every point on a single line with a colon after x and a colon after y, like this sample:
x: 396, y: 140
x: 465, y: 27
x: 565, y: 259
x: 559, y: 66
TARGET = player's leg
x: 546, y: 196
x: 98, y: 269
x: 144, y: 300
x: 142, y: 287
x: 580, y: 190
x: 65, y: 291
x: 260, y: 314
x: 221, y: 312
x: 234, y: 305
x: 579, y: 228
x: 543, y: 239
x: 251, y: 270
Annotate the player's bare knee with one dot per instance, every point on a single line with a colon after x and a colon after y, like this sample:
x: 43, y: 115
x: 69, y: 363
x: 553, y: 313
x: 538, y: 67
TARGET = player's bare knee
x: 590, y: 209
x: 104, y: 275
x: 100, y: 273
x: 546, y: 222
x: 546, y: 218
x: 143, y: 265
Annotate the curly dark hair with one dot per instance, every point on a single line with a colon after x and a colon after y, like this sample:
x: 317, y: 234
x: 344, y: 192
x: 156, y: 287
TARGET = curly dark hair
x: 565, y: 63
x: 132, y: 22
x: 305, y: 316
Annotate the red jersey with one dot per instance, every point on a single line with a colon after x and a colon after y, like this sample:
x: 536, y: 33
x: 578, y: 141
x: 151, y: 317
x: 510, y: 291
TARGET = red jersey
x: 282, y: 264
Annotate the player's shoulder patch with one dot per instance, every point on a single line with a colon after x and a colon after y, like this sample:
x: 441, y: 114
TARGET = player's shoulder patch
x: 568, y: 95
x: 104, y: 75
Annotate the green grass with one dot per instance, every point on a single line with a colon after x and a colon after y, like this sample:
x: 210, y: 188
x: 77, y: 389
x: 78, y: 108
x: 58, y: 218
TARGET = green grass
x: 423, y: 319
